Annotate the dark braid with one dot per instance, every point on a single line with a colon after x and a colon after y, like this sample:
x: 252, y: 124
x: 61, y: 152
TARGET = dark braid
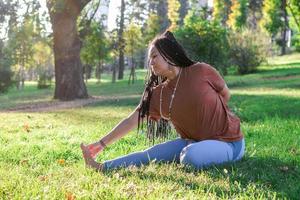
x: 173, y: 54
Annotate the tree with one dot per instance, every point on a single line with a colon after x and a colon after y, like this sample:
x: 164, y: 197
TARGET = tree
x: 294, y: 7
x: 69, y: 82
x: 20, y: 45
x: 43, y: 60
x: 205, y: 41
x: 183, y: 11
x: 95, y: 48
x: 133, y: 38
x: 5, y: 71
x: 152, y: 27
x: 8, y: 10
x: 254, y: 13
x: 275, y: 11
x: 173, y: 14
x: 121, y: 41
x: 238, y: 16
x: 221, y: 10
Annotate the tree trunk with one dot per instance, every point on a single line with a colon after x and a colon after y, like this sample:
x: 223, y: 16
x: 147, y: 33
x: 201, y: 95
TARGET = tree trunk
x: 69, y: 80
x: 121, y: 42
x: 114, y: 72
x: 132, y: 76
x: 99, y: 71
x: 162, y: 11
x: 285, y: 27
x: 183, y: 11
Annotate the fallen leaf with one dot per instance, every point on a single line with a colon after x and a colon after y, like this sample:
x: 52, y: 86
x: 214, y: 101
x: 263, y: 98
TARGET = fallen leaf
x: 70, y: 196
x: 43, y: 177
x: 26, y: 128
x: 61, y: 161
x: 24, y: 161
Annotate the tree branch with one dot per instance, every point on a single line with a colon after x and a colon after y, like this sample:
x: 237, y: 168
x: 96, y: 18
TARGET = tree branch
x: 294, y: 16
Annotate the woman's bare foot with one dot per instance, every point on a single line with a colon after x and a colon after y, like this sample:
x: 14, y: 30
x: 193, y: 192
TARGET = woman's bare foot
x: 89, y: 161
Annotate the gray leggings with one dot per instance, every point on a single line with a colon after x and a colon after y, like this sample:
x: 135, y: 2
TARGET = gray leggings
x: 188, y: 152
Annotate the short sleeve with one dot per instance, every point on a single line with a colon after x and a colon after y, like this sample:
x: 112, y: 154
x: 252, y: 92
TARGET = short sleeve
x: 215, y: 79
x: 154, y: 104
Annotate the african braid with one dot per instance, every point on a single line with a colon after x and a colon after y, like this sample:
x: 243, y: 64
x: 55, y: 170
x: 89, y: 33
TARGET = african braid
x: 173, y: 53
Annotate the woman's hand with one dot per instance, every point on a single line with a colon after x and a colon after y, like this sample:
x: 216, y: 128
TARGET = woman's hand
x: 95, y: 148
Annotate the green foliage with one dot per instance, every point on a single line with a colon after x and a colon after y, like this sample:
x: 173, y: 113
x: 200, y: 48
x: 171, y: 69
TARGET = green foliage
x: 248, y: 50
x: 293, y: 7
x: 272, y: 17
x: 133, y: 40
x: 205, y: 41
x: 152, y: 27
x: 96, y: 46
x: 21, y: 39
x: 5, y: 71
x: 238, y: 16
x: 43, y: 59
x: 296, y: 42
x: 173, y: 13
x: 221, y: 10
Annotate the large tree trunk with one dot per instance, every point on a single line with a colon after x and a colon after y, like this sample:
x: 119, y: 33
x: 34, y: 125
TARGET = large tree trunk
x: 69, y: 81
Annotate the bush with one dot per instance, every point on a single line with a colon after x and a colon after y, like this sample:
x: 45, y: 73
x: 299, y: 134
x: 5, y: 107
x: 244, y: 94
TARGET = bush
x: 44, y: 80
x: 5, y: 71
x: 296, y: 42
x: 5, y: 79
x: 205, y: 41
x: 248, y: 50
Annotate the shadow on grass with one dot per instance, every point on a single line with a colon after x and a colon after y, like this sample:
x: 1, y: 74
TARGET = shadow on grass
x: 272, y: 78
x: 284, y: 66
x: 118, y: 102
x: 250, y: 108
x: 264, y: 174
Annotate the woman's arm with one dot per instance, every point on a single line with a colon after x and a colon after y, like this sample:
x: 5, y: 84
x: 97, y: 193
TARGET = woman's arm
x: 122, y: 128
x: 116, y: 133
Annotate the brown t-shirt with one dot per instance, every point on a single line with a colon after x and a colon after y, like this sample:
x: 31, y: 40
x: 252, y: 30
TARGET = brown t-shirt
x: 198, y: 112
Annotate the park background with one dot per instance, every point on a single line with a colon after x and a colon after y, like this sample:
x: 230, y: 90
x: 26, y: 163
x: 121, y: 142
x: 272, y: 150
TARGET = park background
x: 69, y: 74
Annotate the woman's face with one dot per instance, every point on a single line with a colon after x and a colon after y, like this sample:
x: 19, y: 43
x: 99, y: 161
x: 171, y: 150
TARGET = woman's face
x: 158, y: 65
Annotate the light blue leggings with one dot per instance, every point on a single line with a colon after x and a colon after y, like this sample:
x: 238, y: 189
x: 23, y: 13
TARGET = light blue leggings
x: 188, y: 152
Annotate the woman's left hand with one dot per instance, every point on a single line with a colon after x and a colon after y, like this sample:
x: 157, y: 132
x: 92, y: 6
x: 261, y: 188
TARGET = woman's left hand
x: 95, y: 149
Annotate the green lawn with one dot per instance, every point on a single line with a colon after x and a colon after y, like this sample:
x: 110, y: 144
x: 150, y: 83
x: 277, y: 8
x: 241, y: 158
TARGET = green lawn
x: 40, y: 156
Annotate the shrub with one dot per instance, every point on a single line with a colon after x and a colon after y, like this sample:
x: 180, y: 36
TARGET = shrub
x: 5, y: 71
x: 248, y: 49
x: 205, y: 41
x: 5, y: 78
x: 45, y: 79
x: 296, y: 42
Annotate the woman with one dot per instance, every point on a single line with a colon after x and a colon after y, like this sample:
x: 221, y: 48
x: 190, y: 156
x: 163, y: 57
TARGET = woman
x: 193, y: 97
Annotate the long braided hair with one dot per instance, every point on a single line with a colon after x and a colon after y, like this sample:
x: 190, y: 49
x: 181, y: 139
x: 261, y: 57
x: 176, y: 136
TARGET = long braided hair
x: 174, y: 54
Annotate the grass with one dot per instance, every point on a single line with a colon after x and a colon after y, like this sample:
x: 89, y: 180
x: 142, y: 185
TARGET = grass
x: 40, y: 156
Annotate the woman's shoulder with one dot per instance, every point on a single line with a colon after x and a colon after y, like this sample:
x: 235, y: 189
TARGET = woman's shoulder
x: 201, y: 67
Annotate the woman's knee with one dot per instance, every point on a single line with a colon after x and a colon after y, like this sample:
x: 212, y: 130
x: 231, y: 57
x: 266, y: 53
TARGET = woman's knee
x: 188, y: 155
x: 201, y: 155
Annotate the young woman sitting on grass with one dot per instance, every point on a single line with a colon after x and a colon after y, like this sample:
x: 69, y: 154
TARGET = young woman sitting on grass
x: 190, y: 95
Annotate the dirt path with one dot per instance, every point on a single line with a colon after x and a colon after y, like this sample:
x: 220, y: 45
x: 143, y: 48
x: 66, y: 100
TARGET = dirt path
x: 54, y: 105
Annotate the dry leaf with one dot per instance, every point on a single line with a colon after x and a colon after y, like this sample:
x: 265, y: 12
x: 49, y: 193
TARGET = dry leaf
x: 61, y: 161
x: 70, y: 196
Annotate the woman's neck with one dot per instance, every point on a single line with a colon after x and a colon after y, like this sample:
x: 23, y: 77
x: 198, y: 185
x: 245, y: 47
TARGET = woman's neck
x: 172, y: 73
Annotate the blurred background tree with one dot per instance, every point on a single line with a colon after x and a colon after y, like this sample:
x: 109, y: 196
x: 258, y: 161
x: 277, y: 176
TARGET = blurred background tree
x: 81, y: 44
